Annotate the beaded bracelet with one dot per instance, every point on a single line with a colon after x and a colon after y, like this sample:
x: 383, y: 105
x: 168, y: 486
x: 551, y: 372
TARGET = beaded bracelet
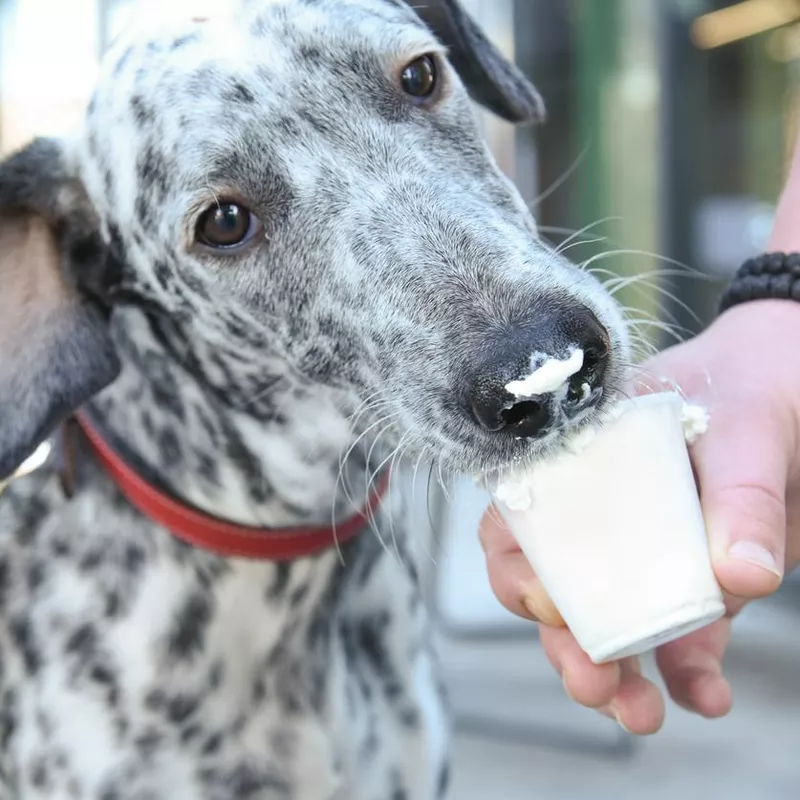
x: 770, y: 276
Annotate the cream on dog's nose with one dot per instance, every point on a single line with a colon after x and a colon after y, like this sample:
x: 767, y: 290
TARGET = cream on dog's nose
x: 519, y: 388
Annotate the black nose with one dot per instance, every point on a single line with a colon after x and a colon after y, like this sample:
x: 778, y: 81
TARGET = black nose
x: 530, y: 411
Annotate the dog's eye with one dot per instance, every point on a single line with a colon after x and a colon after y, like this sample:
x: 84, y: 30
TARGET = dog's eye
x: 418, y: 79
x: 226, y: 226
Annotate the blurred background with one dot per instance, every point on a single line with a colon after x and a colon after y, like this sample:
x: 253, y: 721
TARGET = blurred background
x: 670, y: 126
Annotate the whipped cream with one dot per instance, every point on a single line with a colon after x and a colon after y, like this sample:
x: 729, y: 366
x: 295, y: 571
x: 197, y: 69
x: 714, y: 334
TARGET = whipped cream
x: 548, y: 377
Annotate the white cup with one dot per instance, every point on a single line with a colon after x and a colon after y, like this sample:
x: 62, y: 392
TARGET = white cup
x: 614, y: 530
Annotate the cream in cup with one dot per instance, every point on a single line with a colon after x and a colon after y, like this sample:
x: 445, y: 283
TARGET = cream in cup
x: 614, y: 529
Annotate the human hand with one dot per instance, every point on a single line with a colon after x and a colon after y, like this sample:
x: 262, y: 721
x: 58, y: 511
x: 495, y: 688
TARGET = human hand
x: 748, y: 472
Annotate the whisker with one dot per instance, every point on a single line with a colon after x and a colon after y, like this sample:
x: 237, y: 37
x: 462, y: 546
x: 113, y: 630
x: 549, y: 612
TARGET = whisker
x: 371, y: 512
x: 560, y: 181
x: 398, y: 454
x: 341, y: 480
x: 585, y: 229
x: 561, y: 249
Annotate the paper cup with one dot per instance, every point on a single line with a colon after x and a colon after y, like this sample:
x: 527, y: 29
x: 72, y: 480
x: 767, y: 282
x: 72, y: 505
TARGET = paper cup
x: 615, y: 532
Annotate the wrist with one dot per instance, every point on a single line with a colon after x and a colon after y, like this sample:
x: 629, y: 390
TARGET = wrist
x: 774, y: 313
x: 763, y: 335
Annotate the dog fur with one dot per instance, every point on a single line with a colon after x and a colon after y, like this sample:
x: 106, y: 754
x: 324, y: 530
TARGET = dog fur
x: 266, y: 385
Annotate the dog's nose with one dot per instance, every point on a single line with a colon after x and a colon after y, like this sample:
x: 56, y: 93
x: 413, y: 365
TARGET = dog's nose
x: 538, y: 374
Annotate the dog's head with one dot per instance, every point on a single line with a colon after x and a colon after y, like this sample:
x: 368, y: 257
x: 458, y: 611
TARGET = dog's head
x: 303, y: 184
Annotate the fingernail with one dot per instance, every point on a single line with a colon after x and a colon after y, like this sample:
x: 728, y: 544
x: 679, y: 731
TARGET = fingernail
x: 755, y: 554
x: 530, y: 607
x: 615, y: 712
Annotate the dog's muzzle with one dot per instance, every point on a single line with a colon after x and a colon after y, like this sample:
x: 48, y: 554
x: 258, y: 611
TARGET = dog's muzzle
x: 571, y: 352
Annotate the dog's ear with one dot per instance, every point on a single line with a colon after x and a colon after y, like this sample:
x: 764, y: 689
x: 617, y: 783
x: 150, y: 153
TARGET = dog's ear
x: 491, y: 79
x: 55, y: 346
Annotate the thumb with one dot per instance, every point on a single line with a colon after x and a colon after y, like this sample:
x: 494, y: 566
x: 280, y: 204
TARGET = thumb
x: 742, y: 467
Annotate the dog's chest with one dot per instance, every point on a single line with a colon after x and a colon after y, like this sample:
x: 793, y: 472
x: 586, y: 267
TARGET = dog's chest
x: 137, y: 668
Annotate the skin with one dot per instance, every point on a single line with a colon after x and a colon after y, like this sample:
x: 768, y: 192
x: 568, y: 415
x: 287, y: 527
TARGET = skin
x: 748, y: 472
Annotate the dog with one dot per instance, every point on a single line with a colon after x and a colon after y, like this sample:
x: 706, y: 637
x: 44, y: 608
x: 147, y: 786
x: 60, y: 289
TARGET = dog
x: 276, y: 260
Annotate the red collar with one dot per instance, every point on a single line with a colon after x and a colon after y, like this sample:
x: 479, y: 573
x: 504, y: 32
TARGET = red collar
x: 218, y: 536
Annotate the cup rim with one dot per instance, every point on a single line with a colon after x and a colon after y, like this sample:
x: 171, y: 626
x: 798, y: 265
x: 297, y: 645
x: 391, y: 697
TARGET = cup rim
x: 669, y: 397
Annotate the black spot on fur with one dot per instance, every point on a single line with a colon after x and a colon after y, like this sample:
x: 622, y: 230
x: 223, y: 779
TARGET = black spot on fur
x: 247, y: 781
x: 147, y: 424
x: 40, y: 776
x: 239, y: 93
x: 216, y: 675
x: 207, y: 467
x: 248, y: 465
x: 283, y: 574
x: 91, y: 560
x: 143, y: 114
x: 83, y: 641
x: 299, y: 594
x: 36, y: 573
x: 212, y: 744
x: 181, y: 707
x: 123, y: 61
x: 191, y: 732
x: 29, y: 518
x: 182, y: 41
x: 188, y: 634
x: 259, y: 690
x: 156, y: 700
x: 113, y: 604
x: 23, y: 637
x: 153, y: 172
x: 8, y: 718
x: 5, y: 581
x: 195, y: 283
x: 61, y: 548
x: 102, y: 674
x: 169, y: 448
x: 163, y: 274
x: 288, y: 126
x: 310, y: 55
x: 134, y: 558
x: 149, y: 742
x: 143, y: 210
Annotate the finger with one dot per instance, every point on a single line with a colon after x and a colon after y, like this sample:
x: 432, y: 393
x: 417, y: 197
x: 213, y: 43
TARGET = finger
x: 589, y: 684
x: 638, y: 705
x: 510, y: 575
x: 494, y: 534
x: 742, y: 476
x: 517, y: 588
x: 692, y: 670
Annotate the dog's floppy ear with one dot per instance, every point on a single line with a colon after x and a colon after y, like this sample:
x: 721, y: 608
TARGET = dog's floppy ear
x: 491, y: 79
x: 55, y: 347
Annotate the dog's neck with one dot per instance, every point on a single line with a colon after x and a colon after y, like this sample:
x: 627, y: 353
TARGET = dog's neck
x: 261, y: 452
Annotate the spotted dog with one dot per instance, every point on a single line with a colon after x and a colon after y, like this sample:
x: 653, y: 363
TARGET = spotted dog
x: 276, y: 259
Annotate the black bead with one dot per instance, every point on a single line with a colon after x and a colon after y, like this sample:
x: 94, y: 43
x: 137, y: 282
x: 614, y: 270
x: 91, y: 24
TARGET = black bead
x: 780, y: 286
x: 775, y: 263
x: 748, y: 268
